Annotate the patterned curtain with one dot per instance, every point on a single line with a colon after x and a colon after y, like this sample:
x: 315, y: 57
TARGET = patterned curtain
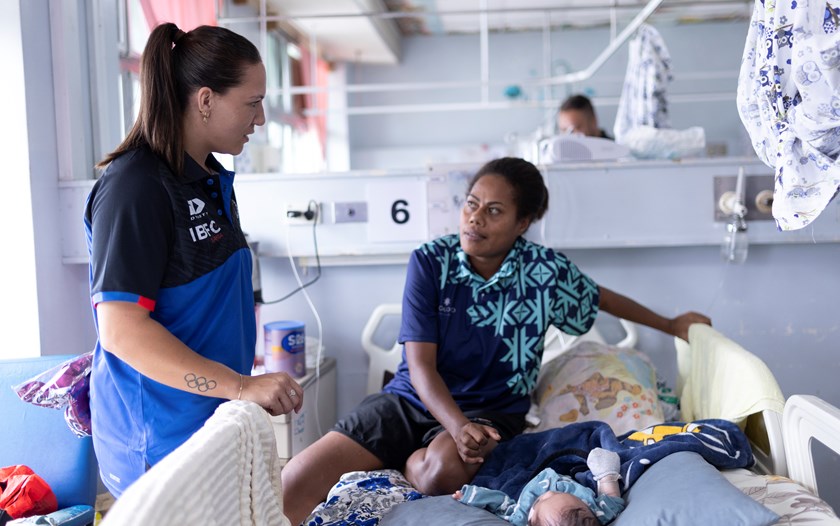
x: 789, y: 102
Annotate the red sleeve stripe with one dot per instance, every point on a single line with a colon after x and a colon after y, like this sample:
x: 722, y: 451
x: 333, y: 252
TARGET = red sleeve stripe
x: 144, y: 302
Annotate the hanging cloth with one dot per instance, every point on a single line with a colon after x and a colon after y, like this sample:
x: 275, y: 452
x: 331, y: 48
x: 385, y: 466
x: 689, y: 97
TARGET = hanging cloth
x: 643, y: 97
x: 789, y: 102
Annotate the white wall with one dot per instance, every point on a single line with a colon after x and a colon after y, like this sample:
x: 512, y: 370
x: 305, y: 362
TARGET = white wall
x: 19, y: 324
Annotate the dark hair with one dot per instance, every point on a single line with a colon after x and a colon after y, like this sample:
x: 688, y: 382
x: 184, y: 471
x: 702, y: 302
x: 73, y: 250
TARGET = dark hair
x: 529, y: 191
x: 581, y: 516
x: 578, y: 102
x: 173, y: 66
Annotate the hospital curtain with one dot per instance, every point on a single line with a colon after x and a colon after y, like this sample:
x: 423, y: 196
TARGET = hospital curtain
x: 789, y: 101
x: 316, y: 101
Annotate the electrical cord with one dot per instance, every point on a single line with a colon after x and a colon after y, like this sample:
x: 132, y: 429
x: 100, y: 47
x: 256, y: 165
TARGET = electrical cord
x: 311, y: 213
x: 301, y: 286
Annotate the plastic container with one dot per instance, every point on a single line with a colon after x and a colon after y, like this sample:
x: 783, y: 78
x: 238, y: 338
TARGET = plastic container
x: 285, y: 347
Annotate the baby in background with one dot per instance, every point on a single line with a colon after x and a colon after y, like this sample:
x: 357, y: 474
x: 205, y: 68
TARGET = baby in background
x: 550, y: 499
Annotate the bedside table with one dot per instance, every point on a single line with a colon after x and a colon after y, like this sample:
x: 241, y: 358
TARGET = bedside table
x: 296, y: 431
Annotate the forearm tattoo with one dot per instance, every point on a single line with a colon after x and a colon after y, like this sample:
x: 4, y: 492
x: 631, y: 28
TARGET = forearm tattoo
x: 200, y: 383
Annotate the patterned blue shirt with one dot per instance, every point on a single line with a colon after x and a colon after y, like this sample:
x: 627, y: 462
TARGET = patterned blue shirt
x: 489, y: 333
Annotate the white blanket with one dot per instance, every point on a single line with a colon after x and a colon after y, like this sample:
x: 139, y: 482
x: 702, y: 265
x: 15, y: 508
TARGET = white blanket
x: 227, y: 473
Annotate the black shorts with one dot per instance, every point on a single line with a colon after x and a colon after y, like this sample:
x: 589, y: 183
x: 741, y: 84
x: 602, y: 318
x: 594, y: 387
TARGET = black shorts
x: 391, y: 428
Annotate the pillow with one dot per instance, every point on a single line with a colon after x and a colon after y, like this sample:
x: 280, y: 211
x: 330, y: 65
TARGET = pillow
x: 594, y: 381
x: 439, y: 511
x: 684, y: 489
x: 794, y: 503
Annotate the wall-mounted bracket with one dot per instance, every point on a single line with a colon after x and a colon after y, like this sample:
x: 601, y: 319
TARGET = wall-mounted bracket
x: 758, y: 193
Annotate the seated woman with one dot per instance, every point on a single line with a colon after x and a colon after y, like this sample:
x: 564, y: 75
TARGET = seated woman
x: 476, y: 307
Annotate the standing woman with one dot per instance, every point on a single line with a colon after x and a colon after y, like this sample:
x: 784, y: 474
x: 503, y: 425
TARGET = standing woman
x: 476, y: 307
x: 170, y: 270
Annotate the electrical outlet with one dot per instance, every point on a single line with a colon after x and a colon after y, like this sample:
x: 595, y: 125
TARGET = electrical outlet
x: 302, y: 213
x: 350, y: 212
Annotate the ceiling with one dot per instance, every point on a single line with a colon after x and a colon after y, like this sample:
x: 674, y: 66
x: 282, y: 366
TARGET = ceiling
x: 370, y: 30
x: 462, y: 16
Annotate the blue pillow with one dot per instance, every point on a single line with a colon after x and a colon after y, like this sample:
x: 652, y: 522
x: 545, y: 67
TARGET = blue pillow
x: 439, y: 511
x: 684, y: 489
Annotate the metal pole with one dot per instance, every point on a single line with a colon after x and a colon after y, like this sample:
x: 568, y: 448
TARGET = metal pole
x: 610, y: 50
x: 263, y: 29
x: 546, y: 53
x: 422, y: 86
x: 485, y: 52
x: 687, y: 98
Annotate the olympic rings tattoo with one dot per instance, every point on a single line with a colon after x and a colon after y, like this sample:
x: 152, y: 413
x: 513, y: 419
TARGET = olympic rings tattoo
x: 199, y: 382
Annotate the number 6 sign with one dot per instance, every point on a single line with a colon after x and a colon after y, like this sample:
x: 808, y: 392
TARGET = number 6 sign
x: 397, y: 211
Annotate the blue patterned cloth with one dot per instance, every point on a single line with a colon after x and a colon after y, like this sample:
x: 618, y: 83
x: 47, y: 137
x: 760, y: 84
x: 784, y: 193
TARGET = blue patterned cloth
x: 789, y: 102
x: 361, y: 498
x: 490, y: 333
x: 644, y: 99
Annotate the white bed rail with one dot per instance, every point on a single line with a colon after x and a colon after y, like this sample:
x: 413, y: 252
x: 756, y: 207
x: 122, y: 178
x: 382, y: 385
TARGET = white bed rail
x: 382, y: 360
x: 805, y: 419
x: 557, y: 342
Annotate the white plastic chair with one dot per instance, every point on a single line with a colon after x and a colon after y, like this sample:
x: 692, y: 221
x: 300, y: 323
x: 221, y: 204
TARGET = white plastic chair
x: 385, y: 361
x: 382, y: 361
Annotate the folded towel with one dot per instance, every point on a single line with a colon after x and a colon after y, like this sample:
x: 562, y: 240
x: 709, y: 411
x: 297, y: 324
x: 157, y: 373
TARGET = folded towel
x: 720, y: 379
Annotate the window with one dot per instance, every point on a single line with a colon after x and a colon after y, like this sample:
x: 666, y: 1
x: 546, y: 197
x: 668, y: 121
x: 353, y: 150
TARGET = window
x: 290, y: 141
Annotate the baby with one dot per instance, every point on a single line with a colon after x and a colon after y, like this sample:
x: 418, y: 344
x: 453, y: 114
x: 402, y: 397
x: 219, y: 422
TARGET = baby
x: 550, y: 499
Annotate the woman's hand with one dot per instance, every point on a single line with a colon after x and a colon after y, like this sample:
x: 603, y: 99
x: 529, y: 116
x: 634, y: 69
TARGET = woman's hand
x: 679, y: 326
x: 277, y: 393
x: 475, y: 441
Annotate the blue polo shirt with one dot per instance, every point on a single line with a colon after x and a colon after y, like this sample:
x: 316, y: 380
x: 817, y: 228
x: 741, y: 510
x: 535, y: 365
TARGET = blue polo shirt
x: 489, y: 333
x: 175, y: 247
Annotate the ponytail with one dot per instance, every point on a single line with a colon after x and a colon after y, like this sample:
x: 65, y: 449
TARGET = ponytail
x: 160, y: 121
x: 175, y: 65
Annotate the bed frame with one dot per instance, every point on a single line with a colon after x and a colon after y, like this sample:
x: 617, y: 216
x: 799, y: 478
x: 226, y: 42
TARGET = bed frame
x: 781, y: 442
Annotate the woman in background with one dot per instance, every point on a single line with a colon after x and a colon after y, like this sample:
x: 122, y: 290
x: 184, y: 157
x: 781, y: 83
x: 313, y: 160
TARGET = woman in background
x: 170, y: 270
x: 476, y: 307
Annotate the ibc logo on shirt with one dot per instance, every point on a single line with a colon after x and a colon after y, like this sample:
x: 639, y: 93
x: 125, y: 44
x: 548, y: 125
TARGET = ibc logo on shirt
x: 204, y: 231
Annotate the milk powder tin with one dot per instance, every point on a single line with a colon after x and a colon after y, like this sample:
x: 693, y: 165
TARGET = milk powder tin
x: 285, y: 347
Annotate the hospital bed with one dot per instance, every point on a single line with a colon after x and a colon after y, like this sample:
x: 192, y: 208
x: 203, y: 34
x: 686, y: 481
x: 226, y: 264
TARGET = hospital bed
x: 710, y: 371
